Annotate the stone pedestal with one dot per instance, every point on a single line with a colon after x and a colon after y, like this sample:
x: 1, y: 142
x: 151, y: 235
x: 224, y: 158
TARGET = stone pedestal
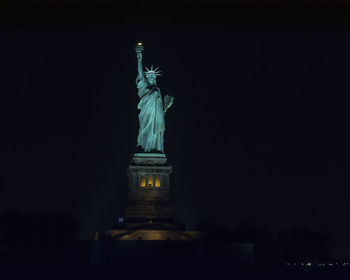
x: 149, y: 191
x: 149, y: 212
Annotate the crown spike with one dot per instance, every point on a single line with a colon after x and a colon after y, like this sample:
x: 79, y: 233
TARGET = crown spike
x: 153, y: 71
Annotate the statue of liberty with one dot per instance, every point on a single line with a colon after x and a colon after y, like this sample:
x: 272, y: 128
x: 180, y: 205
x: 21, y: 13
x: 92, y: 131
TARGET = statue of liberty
x: 152, y: 107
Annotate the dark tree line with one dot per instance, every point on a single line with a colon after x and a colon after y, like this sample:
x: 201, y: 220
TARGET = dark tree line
x: 32, y: 232
x: 37, y: 229
x: 293, y: 243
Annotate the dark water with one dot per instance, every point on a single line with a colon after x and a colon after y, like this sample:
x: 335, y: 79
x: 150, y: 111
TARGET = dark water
x: 155, y: 271
x: 141, y: 261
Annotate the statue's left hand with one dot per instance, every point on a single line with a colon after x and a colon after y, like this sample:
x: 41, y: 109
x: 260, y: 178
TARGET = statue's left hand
x: 168, y: 101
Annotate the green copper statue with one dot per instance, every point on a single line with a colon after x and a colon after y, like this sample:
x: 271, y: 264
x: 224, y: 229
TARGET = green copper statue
x: 152, y: 107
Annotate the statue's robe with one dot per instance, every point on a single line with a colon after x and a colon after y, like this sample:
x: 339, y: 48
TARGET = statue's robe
x: 151, y: 117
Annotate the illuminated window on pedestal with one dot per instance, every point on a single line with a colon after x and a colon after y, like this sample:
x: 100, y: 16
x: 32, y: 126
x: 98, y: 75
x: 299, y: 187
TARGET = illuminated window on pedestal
x: 150, y: 181
x: 143, y: 181
x: 157, y: 181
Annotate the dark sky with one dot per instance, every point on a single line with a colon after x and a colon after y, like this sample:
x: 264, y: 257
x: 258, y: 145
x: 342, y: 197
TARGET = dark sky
x: 258, y: 130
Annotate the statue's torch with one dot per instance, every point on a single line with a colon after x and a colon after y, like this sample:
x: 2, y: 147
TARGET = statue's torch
x: 139, y: 48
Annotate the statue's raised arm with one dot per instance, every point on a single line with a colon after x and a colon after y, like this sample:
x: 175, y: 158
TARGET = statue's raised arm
x: 139, y: 49
x: 152, y: 107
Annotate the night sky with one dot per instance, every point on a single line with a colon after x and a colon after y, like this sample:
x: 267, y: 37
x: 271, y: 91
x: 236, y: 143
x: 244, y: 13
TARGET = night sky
x: 259, y: 129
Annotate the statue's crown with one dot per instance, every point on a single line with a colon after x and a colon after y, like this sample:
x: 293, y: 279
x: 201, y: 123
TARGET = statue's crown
x: 152, y: 71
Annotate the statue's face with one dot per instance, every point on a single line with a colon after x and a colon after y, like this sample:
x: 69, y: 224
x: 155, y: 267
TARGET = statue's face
x: 151, y: 80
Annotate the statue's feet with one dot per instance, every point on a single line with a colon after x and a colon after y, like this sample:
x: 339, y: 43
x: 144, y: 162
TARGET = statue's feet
x: 139, y: 149
x: 155, y: 151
